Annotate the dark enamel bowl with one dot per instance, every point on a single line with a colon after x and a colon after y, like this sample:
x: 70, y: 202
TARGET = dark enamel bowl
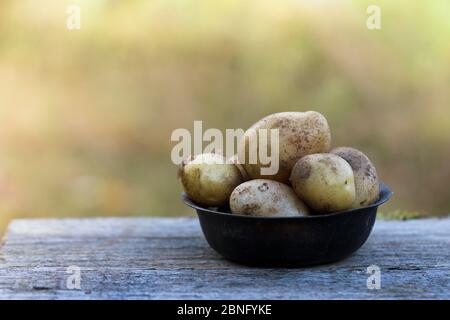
x: 288, y: 241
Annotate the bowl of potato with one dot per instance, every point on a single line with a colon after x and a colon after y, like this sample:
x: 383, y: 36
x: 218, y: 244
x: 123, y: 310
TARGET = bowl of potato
x: 318, y: 208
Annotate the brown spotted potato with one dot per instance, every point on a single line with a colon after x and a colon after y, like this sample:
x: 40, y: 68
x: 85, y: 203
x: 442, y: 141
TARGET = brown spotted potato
x: 324, y: 181
x: 366, y: 178
x: 208, y: 179
x: 266, y: 198
x: 300, y: 134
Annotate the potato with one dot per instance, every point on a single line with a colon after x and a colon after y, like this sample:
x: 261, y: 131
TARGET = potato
x: 324, y: 182
x: 266, y: 198
x: 367, y: 186
x: 300, y: 134
x: 208, y: 180
x: 234, y: 159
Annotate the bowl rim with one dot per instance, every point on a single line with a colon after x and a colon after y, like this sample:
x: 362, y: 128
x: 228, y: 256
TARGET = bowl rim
x: 385, y: 194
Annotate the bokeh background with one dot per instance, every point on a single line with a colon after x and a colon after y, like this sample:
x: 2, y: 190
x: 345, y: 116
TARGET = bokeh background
x: 86, y: 115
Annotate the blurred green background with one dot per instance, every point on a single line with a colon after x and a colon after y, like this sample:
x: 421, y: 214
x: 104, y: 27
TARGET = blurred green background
x: 86, y: 115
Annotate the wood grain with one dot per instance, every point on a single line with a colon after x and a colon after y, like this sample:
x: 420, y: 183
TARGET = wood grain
x: 168, y: 258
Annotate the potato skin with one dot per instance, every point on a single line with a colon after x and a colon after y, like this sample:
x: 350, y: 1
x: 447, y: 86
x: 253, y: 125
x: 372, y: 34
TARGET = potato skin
x: 208, y: 180
x: 266, y: 198
x: 300, y: 134
x: 234, y: 159
x: 367, y: 186
x: 324, y: 182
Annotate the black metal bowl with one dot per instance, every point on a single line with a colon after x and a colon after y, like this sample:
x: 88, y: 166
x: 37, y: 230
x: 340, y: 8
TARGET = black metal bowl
x: 288, y: 241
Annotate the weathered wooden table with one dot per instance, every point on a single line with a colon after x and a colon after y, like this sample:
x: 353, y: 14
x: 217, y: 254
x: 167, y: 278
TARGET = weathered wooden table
x: 168, y: 258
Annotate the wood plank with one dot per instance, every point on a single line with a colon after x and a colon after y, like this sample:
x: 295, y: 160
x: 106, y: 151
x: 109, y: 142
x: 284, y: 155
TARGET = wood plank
x: 168, y: 258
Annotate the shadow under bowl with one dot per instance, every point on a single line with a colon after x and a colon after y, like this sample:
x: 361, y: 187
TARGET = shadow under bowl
x: 288, y: 241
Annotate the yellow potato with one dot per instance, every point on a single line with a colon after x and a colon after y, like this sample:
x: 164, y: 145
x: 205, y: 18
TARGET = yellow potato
x: 324, y: 182
x: 208, y: 180
x: 300, y: 134
x: 266, y: 198
x: 366, y: 177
